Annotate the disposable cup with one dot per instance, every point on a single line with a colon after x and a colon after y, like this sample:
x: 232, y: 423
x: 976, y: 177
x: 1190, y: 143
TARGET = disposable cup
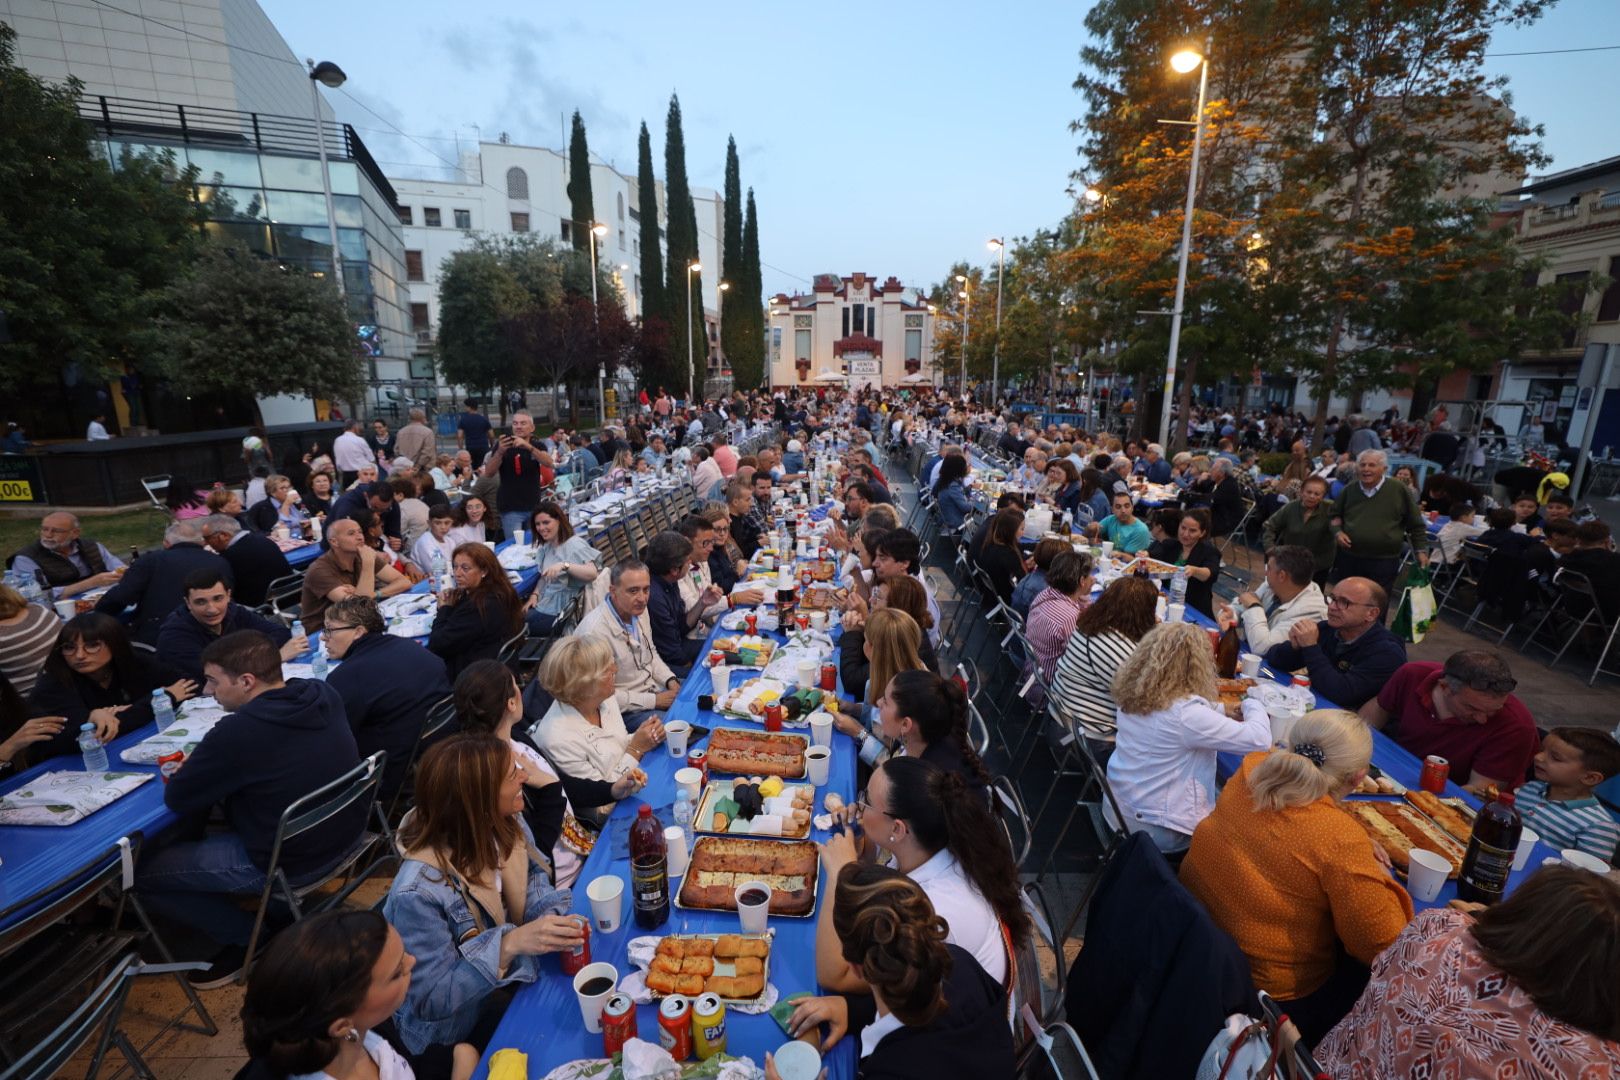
x: 1583, y: 860
x: 753, y: 916
x: 606, y: 894
x: 797, y: 1061
x: 818, y: 620
x: 817, y: 764
x: 517, y: 537
x: 691, y: 780
x: 720, y: 675
x: 821, y: 729
x: 1527, y: 840
x: 1426, y: 874
x: 809, y: 674
x: 67, y: 608
x: 767, y: 562
x: 1174, y: 613
x: 1107, y: 547
x: 590, y: 1005
x: 676, y: 733
x: 676, y: 854
x: 1251, y: 665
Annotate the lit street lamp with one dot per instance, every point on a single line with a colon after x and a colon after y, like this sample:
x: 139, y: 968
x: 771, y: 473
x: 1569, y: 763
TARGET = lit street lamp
x: 1184, y: 62
x: 598, y: 230
x: 720, y: 322
x: 967, y: 328
x: 694, y: 268
x: 331, y: 76
x: 999, y: 246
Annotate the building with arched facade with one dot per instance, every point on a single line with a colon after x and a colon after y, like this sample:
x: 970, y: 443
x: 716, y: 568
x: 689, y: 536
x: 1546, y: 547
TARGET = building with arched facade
x: 851, y: 331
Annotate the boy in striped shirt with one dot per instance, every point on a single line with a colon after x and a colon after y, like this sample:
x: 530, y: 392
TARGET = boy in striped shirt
x: 1559, y: 805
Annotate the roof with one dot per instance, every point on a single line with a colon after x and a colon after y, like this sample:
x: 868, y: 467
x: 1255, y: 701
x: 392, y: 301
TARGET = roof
x: 1592, y: 171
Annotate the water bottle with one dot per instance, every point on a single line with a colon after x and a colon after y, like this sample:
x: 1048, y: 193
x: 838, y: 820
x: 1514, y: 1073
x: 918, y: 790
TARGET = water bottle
x: 95, y: 755
x: 298, y: 628
x: 1178, y: 586
x: 320, y: 666
x: 438, y: 563
x: 683, y: 815
x: 162, y: 709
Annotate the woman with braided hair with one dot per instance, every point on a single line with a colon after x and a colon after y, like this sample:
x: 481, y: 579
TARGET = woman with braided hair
x: 1295, y: 881
x: 924, y: 716
x: 928, y: 1008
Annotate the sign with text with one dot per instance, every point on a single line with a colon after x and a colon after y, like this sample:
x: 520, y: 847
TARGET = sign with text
x: 865, y: 369
x: 20, y: 480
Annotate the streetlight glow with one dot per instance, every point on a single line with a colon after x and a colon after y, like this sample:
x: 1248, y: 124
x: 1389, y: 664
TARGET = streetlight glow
x: 994, y: 244
x: 1092, y: 195
x: 695, y: 268
x: 599, y: 229
x: 963, y: 294
x: 724, y: 285
x: 1186, y: 61
x: 962, y: 278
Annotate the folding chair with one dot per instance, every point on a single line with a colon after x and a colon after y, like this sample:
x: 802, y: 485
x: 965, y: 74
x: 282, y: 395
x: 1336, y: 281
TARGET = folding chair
x: 284, y: 598
x: 1009, y: 807
x: 1465, y: 570
x: 1307, y: 1063
x: 1574, y: 584
x: 1112, y: 836
x: 1057, y: 1055
x: 435, y: 722
x: 157, y: 489
x: 1239, y: 533
x: 510, y: 647
x: 1038, y: 989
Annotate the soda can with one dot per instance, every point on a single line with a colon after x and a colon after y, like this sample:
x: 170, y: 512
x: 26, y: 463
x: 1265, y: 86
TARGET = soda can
x: 699, y: 760
x: 169, y: 764
x: 802, y: 621
x: 753, y: 623
x: 1302, y: 681
x: 576, y: 958
x: 618, y: 1022
x: 773, y: 717
x: 708, y: 1026
x: 675, y: 1026
x: 716, y: 658
x: 829, y: 677
x: 1435, y: 771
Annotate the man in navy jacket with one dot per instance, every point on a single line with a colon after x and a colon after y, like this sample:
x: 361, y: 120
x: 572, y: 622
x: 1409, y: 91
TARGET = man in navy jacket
x: 207, y: 614
x: 1350, y: 655
x: 667, y: 558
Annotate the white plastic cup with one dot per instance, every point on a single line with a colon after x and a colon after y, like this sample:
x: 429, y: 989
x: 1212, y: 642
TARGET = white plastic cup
x: 676, y: 733
x: 676, y: 854
x: 821, y: 729
x: 590, y: 1006
x: 517, y: 537
x: 817, y: 764
x: 797, y: 1061
x: 1527, y: 840
x: 691, y: 780
x: 1107, y: 547
x: 1426, y: 874
x: 66, y: 609
x: 1583, y: 860
x: 809, y: 674
x: 1174, y: 613
x: 1250, y: 665
x: 767, y: 562
x: 818, y: 620
x: 753, y: 916
x: 606, y: 894
x: 720, y: 676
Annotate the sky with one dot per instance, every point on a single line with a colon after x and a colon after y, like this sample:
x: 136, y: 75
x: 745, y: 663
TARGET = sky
x: 884, y: 138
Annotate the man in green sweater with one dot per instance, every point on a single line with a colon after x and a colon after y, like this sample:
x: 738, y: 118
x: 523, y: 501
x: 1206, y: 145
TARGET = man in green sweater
x: 1376, y: 517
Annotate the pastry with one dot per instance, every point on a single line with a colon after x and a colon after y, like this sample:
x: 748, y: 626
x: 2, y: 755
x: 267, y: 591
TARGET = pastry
x: 668, y: 965
x: 1398, y: 829
x: 720, y: 863
x: 1457, y: 824
x: 749, y: 965
x: 690, y: 985
x: 660, y: 982
x: 698, y: 965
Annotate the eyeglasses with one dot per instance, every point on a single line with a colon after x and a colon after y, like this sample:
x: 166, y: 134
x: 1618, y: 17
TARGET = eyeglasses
x: 1339, y: 601
x: 89, y: 648
x: 339, y: 629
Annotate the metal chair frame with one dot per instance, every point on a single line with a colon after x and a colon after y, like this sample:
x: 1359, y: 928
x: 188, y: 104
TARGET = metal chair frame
x: 154, y: 486
x: 1574, y: 583
x: 1062, y: 1054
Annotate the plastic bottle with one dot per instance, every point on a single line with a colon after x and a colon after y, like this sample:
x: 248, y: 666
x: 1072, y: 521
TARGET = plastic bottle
x: 649, y: 870
x: 298, y: 628
x: 95, y: 754
x: 1495, y: 840
x: 683, y: 815
x: 1178, y: 586
x: 319, y: 666
x: 162, y: 709
x: 438, y: 564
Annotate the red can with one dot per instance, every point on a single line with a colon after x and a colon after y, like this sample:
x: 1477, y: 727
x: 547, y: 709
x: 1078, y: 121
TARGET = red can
x: 829, y: 676
x: 618, y: 1022
x: 1302, y: 680
x: 1435, y: 771
x: 716, y: 658
x: 802, y: 621
x: 774, y: 715
x: 675, y: 1026
x: 806, y: 577
x: 699, y: 760
x: 753, y: 623
x: 576, y: 958
x: 169, y: 764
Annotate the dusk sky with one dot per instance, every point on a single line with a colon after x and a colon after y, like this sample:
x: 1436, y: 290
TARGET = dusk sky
x: 887, y: 138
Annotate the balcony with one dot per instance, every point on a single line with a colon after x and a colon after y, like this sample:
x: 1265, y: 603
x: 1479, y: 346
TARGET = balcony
x: 1593, y: 208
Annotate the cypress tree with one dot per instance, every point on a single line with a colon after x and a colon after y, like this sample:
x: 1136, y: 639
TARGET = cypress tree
x: 654, y: 302
x: 733, y: 270
x: 581, y: 207
x: 748, y: 367
x: 682, y: 251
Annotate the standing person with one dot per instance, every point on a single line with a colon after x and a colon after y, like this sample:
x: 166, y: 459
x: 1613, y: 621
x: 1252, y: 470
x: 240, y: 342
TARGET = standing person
x: 1377, y: 517
x: 381, y: 443
x: 351, y: 453
x: 1307, y: 522
x: 516, y: 461
x: 472, y: 431
x: 479, y: 614
x: 417, y: 441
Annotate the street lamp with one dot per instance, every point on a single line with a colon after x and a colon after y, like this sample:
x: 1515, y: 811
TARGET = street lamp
x: 1092, y: 195
x: 999, y: 246
x: 967, y: 328
x: 693, y: 268
x: 1184, y: 62
x: 720, y: 323
x: 598, y: 230
x: 331, y: 76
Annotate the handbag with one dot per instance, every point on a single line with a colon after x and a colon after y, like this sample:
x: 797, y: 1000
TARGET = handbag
x: 1250, y: 1049
x: 1416, y: 611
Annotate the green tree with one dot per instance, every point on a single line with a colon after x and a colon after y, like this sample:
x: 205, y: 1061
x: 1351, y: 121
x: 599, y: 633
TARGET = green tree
x: 237, y: 315
x: 477, y: 293
x: 654, y: 301
x: 581, y: 206
x: 732, y: 267
x: 748, y: 359
x: 682, y: 252
x: 85, y: 247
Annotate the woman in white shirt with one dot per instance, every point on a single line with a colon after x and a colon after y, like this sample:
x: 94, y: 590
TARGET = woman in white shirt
x: 583, y: 733
x: 1171, y: 726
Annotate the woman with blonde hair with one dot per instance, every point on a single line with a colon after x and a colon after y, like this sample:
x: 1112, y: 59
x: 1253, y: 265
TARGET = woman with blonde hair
x: 1171, y: 726
x: 583, y: 733
x: 1294, y: 880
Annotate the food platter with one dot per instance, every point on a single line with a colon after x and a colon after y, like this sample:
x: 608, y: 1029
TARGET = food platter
x: 1377, y: 782
x: 1454, y: 817
x: 1233, y: 691
x: 1398, y: 828
x: 757, y: 753
x: 720, y: 863
x: 719, y: 810
x: 735, y: 967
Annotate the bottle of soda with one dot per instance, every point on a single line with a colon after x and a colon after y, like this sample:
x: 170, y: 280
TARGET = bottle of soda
x: 649, y: 870
x: 1485, y: 867
x: 1226, y: 653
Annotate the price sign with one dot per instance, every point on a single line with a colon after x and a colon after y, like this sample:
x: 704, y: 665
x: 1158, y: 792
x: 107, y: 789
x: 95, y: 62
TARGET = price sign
x: 19, y: 479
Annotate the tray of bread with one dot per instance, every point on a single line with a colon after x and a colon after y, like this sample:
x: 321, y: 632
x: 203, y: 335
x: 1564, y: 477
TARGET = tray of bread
x: 720, y: 863
x: 1398, y: 828
x: 1378, y: 782
x: 820, y: 569
x: 736, y: 967
x: 749, y: 699
x: 757, y: 753
x: 822, y: 598
x: 1453, y: 815
x: 755, y: 806
x: 744, y: 650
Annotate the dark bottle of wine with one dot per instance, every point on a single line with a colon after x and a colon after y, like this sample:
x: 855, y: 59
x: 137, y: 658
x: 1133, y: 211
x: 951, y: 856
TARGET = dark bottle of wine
x: 1497, y: 828
x: 1226, y: 653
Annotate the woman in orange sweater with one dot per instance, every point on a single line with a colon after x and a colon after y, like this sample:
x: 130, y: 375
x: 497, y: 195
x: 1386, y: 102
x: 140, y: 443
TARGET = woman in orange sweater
x: 1295, y: 881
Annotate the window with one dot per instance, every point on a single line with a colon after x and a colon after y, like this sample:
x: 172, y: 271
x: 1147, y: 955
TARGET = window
x: 520, y: 222
x: 860, y: 318
x: 463, y: 219
x: 621, y: 206
x: 517, y: 184
x: 621, y: 239
x: 638, y: 286
x: 846, y: 324
x: 419, y: 319
x: 1572, y: 300
x: 913, y: 346
x: 430, y: 217
x: 413, y: 266
x: 801, y: 344
x: 405, y: 217
x: 567, y: 229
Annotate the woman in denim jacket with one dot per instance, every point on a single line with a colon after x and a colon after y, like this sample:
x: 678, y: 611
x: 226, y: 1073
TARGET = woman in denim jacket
x: 950, y: 496
x: 473, y: 900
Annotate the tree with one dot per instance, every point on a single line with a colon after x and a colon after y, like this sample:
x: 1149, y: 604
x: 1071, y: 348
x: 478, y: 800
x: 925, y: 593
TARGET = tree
x: 654, y: 303
x: 477, y: 293
x: 683, y: 252
x: 85, y: 248
x: 239, y: 319
x: 748, y: 359
x: 732, y: 267
x: 580, y: 203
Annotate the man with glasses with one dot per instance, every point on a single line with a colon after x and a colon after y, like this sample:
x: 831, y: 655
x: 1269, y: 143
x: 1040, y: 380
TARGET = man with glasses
x: 1350, y: 655
x: 1464, y: 711
x: 71, y: 563
x: 387, y: 683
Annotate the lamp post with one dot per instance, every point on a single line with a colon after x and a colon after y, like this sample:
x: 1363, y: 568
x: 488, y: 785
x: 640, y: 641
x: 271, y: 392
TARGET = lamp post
x: 692, y: 268
x: 967, y: 328
x: 330, y: 75
x: 999, y: 246
x: 1185, y: 62
x: 933, y: 362
x: 720, y: 321
x: 598, y: 230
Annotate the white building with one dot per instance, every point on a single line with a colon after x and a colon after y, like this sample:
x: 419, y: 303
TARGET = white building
x: 851, y: 330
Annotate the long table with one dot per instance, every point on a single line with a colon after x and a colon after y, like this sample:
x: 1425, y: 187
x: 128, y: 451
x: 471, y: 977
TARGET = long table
x: 544, y: 1020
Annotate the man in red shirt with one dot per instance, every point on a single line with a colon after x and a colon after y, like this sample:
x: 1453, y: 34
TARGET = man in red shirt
x: 1464, y: 711
x: 725, y: 456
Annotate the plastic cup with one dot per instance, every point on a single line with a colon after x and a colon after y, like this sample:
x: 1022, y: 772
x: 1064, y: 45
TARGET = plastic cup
x: 753, y: 916
x: 817, y: 764
x: 809, y: 674
x: 1174, y: 613
x: 797, y: 1061
x: 821, y: 729
x: 67, y: 609
x: 1426, y: 875
x: 1250, y: 663
x: 590, y: 1005
x: 1583, y: 860
x: 606, y: 894
x: 1527, y: 840
x: 676, y: 854
x: 691, y: 780
x: 767, y: 562
x: 517, y: 537
x: 1107, y: 547
x: 818, y: 620
x: 720, y: 676
x: 676, y: 733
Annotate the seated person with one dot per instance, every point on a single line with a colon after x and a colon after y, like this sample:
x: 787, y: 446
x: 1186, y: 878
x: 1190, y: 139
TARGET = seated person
x: 1461, y: 527
x: 1463, y: 710
x: 667, y: 557
x: 488, y: 700
x: 643, y: 683
x: 350, y: 568
x: 479, y: 614
x: 1004, y: 501
x: 387, y: 684
x: 899, y: 551
x: 475, y: 522
x: 950, y: 497
x: 870, y: 654
x: 254, y: 559
x: 281, y: 505
x: 697, y: 580
x: 1288, y: 595
x: 207, y: 614
x: 925, y: 716
x: 929, y: 1008
x: 1105, y: 636
x: 28, y: 634
x: 1501, y: 535
x: 1527, y: 514
x: 1559, y: 805
x: 1190, y: 547
x: 154, y: 585
x: 747, y: 526
x: 1171, y: 726
x: 441, y: 520
x: 1594, y: 558
x: 1033, y: 583
x: 69, y: 562
x: 1058, y: 607
x: 565, y: 562
x: 1350, y: 655
x: 378, y: 497
x: 1528, y: 986
x: 93, y: 676
x: 1121, y: 528
x: 582, y: 733
x: 1001, y: 559
x: 478, y: 915
x: 279, y: 742
x: 1295, y: 880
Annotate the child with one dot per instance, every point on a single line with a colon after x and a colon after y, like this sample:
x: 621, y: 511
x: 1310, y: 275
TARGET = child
x: 1502, y: 534
x: 1461, y: 527
x: 1528, y: 514
x: 437, y: 538
x: 1558, y: 804
x: 1162, y: 524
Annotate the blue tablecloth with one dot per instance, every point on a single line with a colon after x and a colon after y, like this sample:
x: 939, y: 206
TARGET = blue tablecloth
x: 305, y: 555
x: 544, y: 1021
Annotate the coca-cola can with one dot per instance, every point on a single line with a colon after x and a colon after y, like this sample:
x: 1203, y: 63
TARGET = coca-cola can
x: 618, y: 1022
x: 169, y: 764
x: 699, y: 760
x: 1435, y: 771
x: 575, y: 959
x: 675, y: 1026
